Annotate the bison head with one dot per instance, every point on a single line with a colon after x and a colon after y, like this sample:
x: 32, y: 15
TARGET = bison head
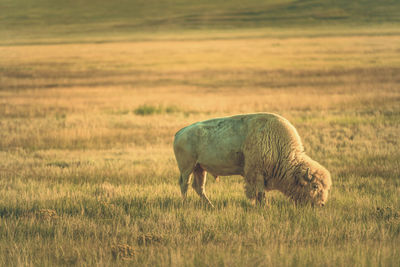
x: 313, y: 186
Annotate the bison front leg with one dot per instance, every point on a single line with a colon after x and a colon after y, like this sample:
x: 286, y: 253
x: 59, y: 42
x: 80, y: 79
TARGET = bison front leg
x: 254, y: 188
x: 261, y: 198
x: 199, y: 182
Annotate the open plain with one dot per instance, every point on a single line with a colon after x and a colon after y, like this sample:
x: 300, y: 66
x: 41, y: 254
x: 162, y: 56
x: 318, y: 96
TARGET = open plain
x: 88, y: 175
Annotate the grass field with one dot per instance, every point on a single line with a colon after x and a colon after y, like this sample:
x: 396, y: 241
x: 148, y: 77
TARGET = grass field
x: 41, y: 21
x: 87, y: 171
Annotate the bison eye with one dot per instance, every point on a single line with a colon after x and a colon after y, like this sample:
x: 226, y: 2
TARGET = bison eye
x: 315, y: 187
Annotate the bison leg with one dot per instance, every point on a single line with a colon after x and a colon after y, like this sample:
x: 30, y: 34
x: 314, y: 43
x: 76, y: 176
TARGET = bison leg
x: 250, y: 193
x: 254, y: 188
x: 184, y: 181
x: 186, y: 165
x: 261, y: 198
x: 199, y: 182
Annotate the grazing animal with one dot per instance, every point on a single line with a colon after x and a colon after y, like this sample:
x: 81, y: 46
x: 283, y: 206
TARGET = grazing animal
x: 264, y: 148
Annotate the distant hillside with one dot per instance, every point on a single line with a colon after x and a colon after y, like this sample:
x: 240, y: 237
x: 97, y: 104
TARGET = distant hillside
x: 28, y: 18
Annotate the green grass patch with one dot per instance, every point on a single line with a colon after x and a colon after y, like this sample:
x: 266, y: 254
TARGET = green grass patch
x: 145, y: 110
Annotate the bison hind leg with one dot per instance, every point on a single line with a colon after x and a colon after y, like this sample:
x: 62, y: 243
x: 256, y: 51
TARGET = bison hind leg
x: 199, y: 182
x: 184, y: 181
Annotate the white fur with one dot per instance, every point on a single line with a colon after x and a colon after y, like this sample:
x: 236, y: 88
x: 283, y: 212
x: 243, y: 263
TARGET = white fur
x: 264, y: 148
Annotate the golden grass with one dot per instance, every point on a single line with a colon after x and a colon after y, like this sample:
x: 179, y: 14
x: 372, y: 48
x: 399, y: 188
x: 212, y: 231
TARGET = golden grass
x: 85, y: 179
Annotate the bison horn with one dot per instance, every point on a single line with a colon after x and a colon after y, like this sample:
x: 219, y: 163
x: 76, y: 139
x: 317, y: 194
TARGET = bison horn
x: 307, y: 174
x: 304, y: 180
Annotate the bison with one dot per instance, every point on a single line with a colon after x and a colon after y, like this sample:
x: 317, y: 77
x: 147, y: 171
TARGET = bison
x: 264, y: 148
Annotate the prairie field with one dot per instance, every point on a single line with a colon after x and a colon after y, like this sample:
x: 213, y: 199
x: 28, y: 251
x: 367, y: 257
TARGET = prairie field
x: 88, y: 175
x: 87, y: 171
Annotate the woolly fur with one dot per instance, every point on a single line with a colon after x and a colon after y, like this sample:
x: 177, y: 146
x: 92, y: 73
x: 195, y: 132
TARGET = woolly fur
x: 271, y: 156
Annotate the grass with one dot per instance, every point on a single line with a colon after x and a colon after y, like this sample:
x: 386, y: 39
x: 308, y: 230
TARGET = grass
x: 88, y: 116
x: 86, y: 179
x: 145, y: 110
x: 24, y: 22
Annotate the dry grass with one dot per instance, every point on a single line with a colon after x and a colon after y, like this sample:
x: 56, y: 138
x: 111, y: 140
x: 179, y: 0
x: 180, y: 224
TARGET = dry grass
x: 88, y: 177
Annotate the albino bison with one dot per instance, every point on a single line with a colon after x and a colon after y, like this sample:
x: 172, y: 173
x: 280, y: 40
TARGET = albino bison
x: 264, y: 148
